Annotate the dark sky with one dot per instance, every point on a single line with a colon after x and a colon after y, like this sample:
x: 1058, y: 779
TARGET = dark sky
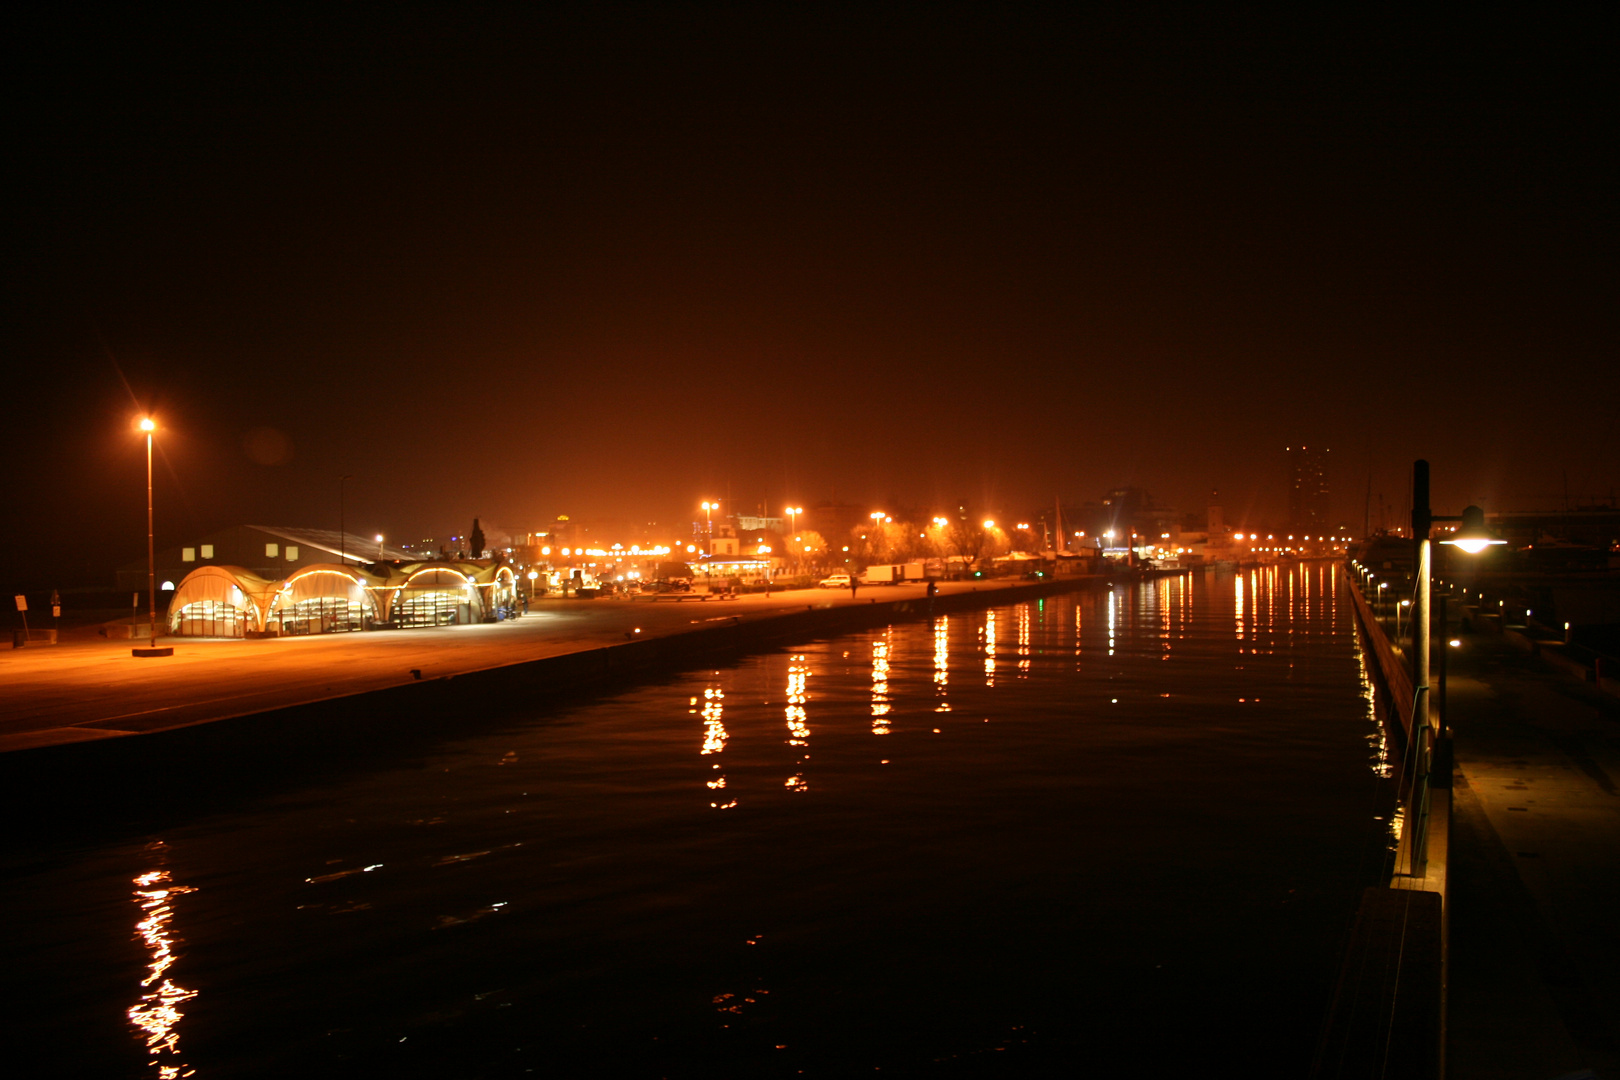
x: 610, y: 261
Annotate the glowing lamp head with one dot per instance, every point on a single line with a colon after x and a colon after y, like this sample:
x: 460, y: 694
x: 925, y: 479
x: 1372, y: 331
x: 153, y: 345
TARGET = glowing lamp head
x: 148, y: 424
x: 1472, y: 537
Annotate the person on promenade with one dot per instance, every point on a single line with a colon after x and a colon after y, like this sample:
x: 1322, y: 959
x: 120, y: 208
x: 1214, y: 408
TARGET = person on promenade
x: 854, y: 583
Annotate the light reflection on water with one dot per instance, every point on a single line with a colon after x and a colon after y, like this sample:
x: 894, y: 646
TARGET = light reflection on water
x: 157, y: 1013
x: 1161, y: 814
x: 798, y: 719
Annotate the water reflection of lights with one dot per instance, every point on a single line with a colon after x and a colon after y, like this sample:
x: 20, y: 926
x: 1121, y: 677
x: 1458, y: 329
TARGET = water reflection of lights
x: 1380, y: 759
x: 1113, y: 603
x: 158, y: 1013
x: 1162, y: 590
x: 990, y: 648
x: 1237, y: 591
x: 1079, y: 634
x: 1023, y: 611
x: 798, y: 719
x: 714, y: 736
x: 880, y: 684
x: 714, y: 728
x: 942, y: 662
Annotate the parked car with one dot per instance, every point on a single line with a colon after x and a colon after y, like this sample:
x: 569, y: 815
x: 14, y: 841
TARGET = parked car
x: 839, y: 580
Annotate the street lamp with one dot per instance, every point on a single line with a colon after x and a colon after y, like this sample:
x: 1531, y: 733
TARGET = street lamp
x: 708, y: 514
x: 1473, y: 539
x: 149, y: 426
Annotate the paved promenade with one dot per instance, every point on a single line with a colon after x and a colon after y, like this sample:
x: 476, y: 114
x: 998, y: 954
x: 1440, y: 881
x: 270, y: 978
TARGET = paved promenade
x: 88, y: 687
x: 1534, y: 870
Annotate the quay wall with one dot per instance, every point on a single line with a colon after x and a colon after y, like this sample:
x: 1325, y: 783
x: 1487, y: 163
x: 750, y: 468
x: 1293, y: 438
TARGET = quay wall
x: 1388, y: 1016
x: 80, y: 783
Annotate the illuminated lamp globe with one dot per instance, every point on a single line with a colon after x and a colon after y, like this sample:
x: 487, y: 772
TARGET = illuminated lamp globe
x: 1472, y: 537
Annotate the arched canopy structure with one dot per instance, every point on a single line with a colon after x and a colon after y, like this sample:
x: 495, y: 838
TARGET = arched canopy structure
x: 499, y: 586
x: 435, y: 594
x: 219, y: 601
x: 326, y: 598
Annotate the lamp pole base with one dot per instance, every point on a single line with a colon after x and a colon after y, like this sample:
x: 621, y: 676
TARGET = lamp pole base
x: 153, y: 650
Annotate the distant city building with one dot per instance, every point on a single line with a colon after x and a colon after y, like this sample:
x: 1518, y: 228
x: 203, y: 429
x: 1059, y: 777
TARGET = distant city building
x: 834, y: 521
x: 1307, y: 490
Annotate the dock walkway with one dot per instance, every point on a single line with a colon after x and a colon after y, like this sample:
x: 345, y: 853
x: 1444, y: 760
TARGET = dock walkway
x: 1534, y: 869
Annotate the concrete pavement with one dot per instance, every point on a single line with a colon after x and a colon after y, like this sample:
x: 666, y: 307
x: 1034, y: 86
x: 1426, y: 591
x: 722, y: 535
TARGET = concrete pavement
x: 1534, y: 869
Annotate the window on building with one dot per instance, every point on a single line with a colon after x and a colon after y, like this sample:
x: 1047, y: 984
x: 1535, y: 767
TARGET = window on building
x: 292, y: 552
x: 272, y: 550
x: 208, y: 551
x: 188, y: 554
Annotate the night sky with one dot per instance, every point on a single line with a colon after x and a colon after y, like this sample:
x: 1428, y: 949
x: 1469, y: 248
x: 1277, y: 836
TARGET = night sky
x: 611, y: 261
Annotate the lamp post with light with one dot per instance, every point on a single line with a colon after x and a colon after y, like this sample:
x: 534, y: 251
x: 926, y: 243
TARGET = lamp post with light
x: 149, y: 426
x: 151, y: 551
x: 1473, y: 539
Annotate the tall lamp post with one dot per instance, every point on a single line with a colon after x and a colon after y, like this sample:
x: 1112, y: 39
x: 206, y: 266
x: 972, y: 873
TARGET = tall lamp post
x: 1473, y: 539
x: 149, y: 426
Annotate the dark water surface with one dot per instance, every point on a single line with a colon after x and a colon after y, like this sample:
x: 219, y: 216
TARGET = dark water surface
x: 1115, y: 829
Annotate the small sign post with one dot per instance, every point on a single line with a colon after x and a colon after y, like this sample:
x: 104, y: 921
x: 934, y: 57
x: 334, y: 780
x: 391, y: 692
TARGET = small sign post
x: 22, y: 609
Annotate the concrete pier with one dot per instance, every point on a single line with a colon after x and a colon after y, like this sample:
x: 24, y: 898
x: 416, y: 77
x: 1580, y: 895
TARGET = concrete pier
x: 1523, y: 896
x: 91, y: 689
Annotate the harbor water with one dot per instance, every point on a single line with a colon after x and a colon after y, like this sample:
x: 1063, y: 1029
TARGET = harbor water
x: 1123, y: 827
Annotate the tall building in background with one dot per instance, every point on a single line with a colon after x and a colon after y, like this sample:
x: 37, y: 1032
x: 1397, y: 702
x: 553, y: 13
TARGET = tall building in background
x: 1307, y: 490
